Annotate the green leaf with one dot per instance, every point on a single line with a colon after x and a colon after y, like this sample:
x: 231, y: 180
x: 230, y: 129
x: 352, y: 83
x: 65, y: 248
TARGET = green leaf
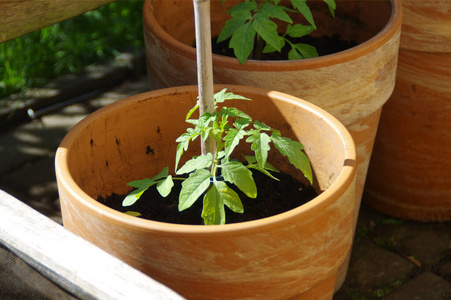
x: 229, y: 197
x: 260, y: 145
x: 268, y: 49
x: 200, y: 162
x: 236, y: 113
x: 332, y: 6
x: 261, y: 126
x: 141, y: 186
x: 243, y: 6
x: 267, y: 29
x: 293, y: 54
x: 264, y: 171
x: 241, y: 123
x: 242, y: 41
x: 252, y: 160
x: 223, y: 95
x: 133, y: 213
x: 232, y: 139
x: 236, y: 173
x: 193, y: 187
x: 163, y: 174
x: 192, y: 110
x: 213, y: 211
x: 164, y: 186
x: 306, y: 51
x: 277, y: 12
x: 293, y: 150
x: 299, y: 30
x: 302, y: 7
x: 238, y: 19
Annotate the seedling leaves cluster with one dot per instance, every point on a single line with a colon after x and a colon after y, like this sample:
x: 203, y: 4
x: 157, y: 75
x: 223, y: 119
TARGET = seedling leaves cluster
x: 252, y: 30
x: 209, y: 175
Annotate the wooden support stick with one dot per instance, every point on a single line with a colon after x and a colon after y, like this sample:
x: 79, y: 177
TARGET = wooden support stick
x: 204, y: 64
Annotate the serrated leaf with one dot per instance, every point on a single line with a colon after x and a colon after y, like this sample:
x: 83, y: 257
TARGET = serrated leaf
x: 261, y: 126
x: 267, y: 29
x: 307, y: 51
x: 213, y: 211
x: 229, y: 197
x: 302, y: 7
x: 232, y: 139
x: 236, y: 173
x: 242, y: 41
x: 293, y: 150
x: 164, y: 186
x: 260, y: 145
x: 223, y: 95
x: 277, y: 12
x: 141, y: 186
x: 241, y: 123
x: 193, y: 187
x: 201, y: 162
x: 299, y: 30
x: 238, y: 19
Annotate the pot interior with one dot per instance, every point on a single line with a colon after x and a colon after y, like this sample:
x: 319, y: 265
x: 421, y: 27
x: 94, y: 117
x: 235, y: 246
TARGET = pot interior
x: 355, y: 21
x: 135, y: 138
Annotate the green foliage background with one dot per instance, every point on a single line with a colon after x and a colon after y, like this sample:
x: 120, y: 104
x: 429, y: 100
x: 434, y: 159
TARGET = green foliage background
x: 69, y: 46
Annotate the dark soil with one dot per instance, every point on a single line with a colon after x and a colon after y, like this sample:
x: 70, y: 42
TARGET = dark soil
x: 274, y: 197
x: 324, y: 46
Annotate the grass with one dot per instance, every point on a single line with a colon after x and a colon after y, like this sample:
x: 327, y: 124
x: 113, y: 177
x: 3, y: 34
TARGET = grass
x: 69, y: 46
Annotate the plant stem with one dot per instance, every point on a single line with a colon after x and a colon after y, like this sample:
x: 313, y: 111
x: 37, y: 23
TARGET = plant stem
x: 204, y: 65
x: 258, y: 49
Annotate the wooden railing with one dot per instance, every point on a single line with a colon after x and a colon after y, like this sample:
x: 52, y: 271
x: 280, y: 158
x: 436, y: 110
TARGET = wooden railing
x: 19, y: 17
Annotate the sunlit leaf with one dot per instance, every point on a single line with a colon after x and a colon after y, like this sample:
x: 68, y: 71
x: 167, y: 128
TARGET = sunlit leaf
x: 235, y: 173
x: 200, y: 162
x: 164, y: 186
x: 193, y: 187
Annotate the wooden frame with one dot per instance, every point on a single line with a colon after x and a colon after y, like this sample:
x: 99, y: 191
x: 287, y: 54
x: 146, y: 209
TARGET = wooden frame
x: 68, y: 260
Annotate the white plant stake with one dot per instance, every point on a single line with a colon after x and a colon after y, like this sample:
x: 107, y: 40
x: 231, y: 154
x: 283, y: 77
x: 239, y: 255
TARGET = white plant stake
x: 204, y: 64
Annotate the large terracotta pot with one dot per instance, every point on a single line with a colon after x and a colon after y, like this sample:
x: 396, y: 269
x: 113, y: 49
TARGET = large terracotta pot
x: 352, y: 85
x: 411, y: 167
x: 295, y: 253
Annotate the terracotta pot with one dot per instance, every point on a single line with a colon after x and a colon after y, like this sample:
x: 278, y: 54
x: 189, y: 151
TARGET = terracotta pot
x: 410, y: 171
x: 352, y: 85
x: 293, y: 253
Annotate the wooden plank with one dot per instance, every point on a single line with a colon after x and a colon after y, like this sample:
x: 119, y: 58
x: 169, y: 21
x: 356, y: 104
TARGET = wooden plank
x: 19, y: 17
x: 69, y: 260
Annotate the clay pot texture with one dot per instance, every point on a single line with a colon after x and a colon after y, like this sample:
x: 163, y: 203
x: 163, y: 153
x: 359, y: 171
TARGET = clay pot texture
x: 410, y: 172
x: 293, y: 253
x: 352, y: 85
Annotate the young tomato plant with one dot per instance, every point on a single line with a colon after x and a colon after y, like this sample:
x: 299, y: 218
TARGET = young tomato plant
x: 251, y: 25
x: 210, y: 174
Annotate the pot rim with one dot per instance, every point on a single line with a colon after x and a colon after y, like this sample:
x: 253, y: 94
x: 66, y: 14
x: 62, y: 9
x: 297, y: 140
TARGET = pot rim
x: 337, y: 188
x: 386, y: 34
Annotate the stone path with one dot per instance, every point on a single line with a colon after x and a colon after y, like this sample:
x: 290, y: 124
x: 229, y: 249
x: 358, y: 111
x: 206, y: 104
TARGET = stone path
x: 392, y: 259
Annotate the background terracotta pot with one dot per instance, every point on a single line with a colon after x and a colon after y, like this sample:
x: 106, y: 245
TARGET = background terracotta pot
x: 352, y: 85
x: 410, y: 171
x: 296, y: 252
